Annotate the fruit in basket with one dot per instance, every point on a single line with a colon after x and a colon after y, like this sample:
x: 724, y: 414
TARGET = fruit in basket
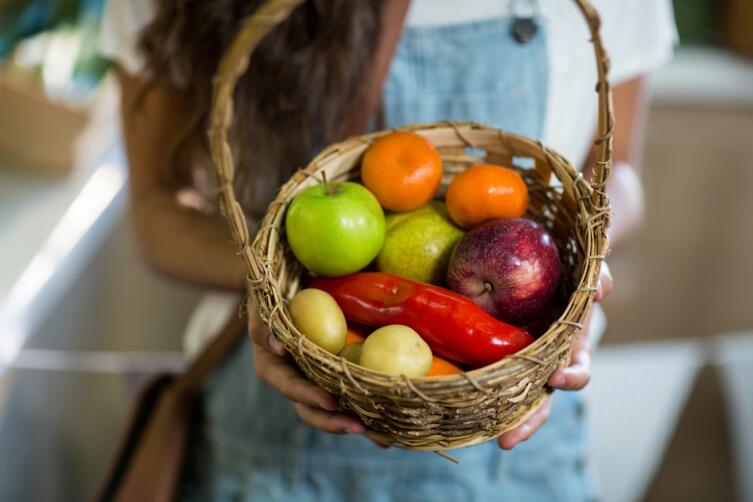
x: 352, y: 352
x: 510, y: 268
x: 452, y: 325
x: 403, y: 170
x: 486, y: 192
x: 355, y: 335
x: 335, y: 228
x: 316, y: 314
x: 418, y: 244
x: 442, y: 367
x: 396, y: 350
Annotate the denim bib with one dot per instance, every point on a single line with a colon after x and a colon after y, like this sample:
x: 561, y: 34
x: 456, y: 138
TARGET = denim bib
x: 250, y: 444
x: 474, y: 71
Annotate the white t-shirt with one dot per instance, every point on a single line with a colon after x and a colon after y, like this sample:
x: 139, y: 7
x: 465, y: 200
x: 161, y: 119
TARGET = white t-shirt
x: 639, y: 34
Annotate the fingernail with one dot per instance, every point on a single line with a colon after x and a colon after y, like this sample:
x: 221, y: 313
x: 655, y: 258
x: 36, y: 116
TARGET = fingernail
x: 328, y: 405
x: 356, y: 429
x: 275, y: 345
x: 556, y: 380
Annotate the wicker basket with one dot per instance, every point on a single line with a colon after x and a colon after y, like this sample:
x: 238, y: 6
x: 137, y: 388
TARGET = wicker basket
x: 440, y: 412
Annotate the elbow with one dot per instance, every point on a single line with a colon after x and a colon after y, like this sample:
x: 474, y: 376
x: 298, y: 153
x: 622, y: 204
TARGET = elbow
x: 142, y: 238
x: 146, y: 240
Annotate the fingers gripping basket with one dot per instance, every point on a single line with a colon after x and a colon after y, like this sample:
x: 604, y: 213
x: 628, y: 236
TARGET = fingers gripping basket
x: 442, y: 412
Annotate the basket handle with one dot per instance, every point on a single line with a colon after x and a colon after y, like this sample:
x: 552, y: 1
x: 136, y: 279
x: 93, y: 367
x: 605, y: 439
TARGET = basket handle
x: 231, y: 67
x: 235, y: 62
x: 604, y: 141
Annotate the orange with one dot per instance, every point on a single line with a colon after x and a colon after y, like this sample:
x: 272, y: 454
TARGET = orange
x: 353, y: 336
x: 486, y: 192
x: 402, y: 170
x: 441, y: 367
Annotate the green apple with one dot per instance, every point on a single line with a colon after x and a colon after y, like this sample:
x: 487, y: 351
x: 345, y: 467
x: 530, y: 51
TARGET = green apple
x: 335, y: 228
x: 419, y: 243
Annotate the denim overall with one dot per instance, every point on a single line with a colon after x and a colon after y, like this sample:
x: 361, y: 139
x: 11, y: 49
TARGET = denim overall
x: 251, y: 445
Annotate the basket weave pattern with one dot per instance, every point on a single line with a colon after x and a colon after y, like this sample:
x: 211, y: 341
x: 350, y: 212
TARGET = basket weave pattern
x: 440, y: 412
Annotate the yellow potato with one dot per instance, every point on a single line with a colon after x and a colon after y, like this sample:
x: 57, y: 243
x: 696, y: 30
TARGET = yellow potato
x: 396, y: 350
x: 316, y: 314
x: 352, y: 352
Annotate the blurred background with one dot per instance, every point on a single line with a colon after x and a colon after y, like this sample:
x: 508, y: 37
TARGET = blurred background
x: 671, y: 404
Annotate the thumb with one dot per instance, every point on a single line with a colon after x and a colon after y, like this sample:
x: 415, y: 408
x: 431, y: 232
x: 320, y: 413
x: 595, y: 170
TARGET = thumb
x: 259, y: 332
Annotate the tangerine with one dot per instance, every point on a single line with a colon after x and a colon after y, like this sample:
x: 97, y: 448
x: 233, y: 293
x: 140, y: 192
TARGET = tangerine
x: 486, y: 192
x: 442, y: 367
x: 403, y: 170
x: 353, y: 336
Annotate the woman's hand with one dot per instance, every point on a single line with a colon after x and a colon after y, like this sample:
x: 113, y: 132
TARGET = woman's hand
x: 574, y: 377
x: 314, y: 406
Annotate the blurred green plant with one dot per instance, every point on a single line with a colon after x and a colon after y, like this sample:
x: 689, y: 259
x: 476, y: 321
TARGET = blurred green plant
x: 698, y: 21
x: 23, y: 19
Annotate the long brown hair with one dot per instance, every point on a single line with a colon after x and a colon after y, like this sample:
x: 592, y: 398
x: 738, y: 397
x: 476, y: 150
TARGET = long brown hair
x: 302, y: 79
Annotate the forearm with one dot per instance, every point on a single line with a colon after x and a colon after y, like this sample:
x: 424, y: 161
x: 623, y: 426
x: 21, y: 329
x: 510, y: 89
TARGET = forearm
x: 175, y: 240
x: 184, y: 244
x: 626, y: 198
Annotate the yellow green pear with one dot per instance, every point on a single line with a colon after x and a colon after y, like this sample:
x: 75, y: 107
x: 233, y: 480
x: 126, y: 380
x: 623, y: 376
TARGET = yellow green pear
x: 418, y: 244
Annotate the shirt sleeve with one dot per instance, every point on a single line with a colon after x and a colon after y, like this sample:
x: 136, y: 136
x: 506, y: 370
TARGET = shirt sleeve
x: 122, y: 23
x: 640, y: 35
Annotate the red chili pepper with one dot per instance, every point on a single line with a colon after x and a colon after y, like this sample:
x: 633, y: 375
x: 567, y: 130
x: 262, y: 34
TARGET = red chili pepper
x: 450, y: 323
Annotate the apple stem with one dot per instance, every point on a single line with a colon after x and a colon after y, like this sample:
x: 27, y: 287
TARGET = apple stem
x: 488, y: 288
x: 328, y: 189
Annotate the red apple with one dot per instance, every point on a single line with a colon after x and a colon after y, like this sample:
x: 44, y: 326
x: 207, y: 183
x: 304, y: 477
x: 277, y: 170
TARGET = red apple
x: 509, y: 268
